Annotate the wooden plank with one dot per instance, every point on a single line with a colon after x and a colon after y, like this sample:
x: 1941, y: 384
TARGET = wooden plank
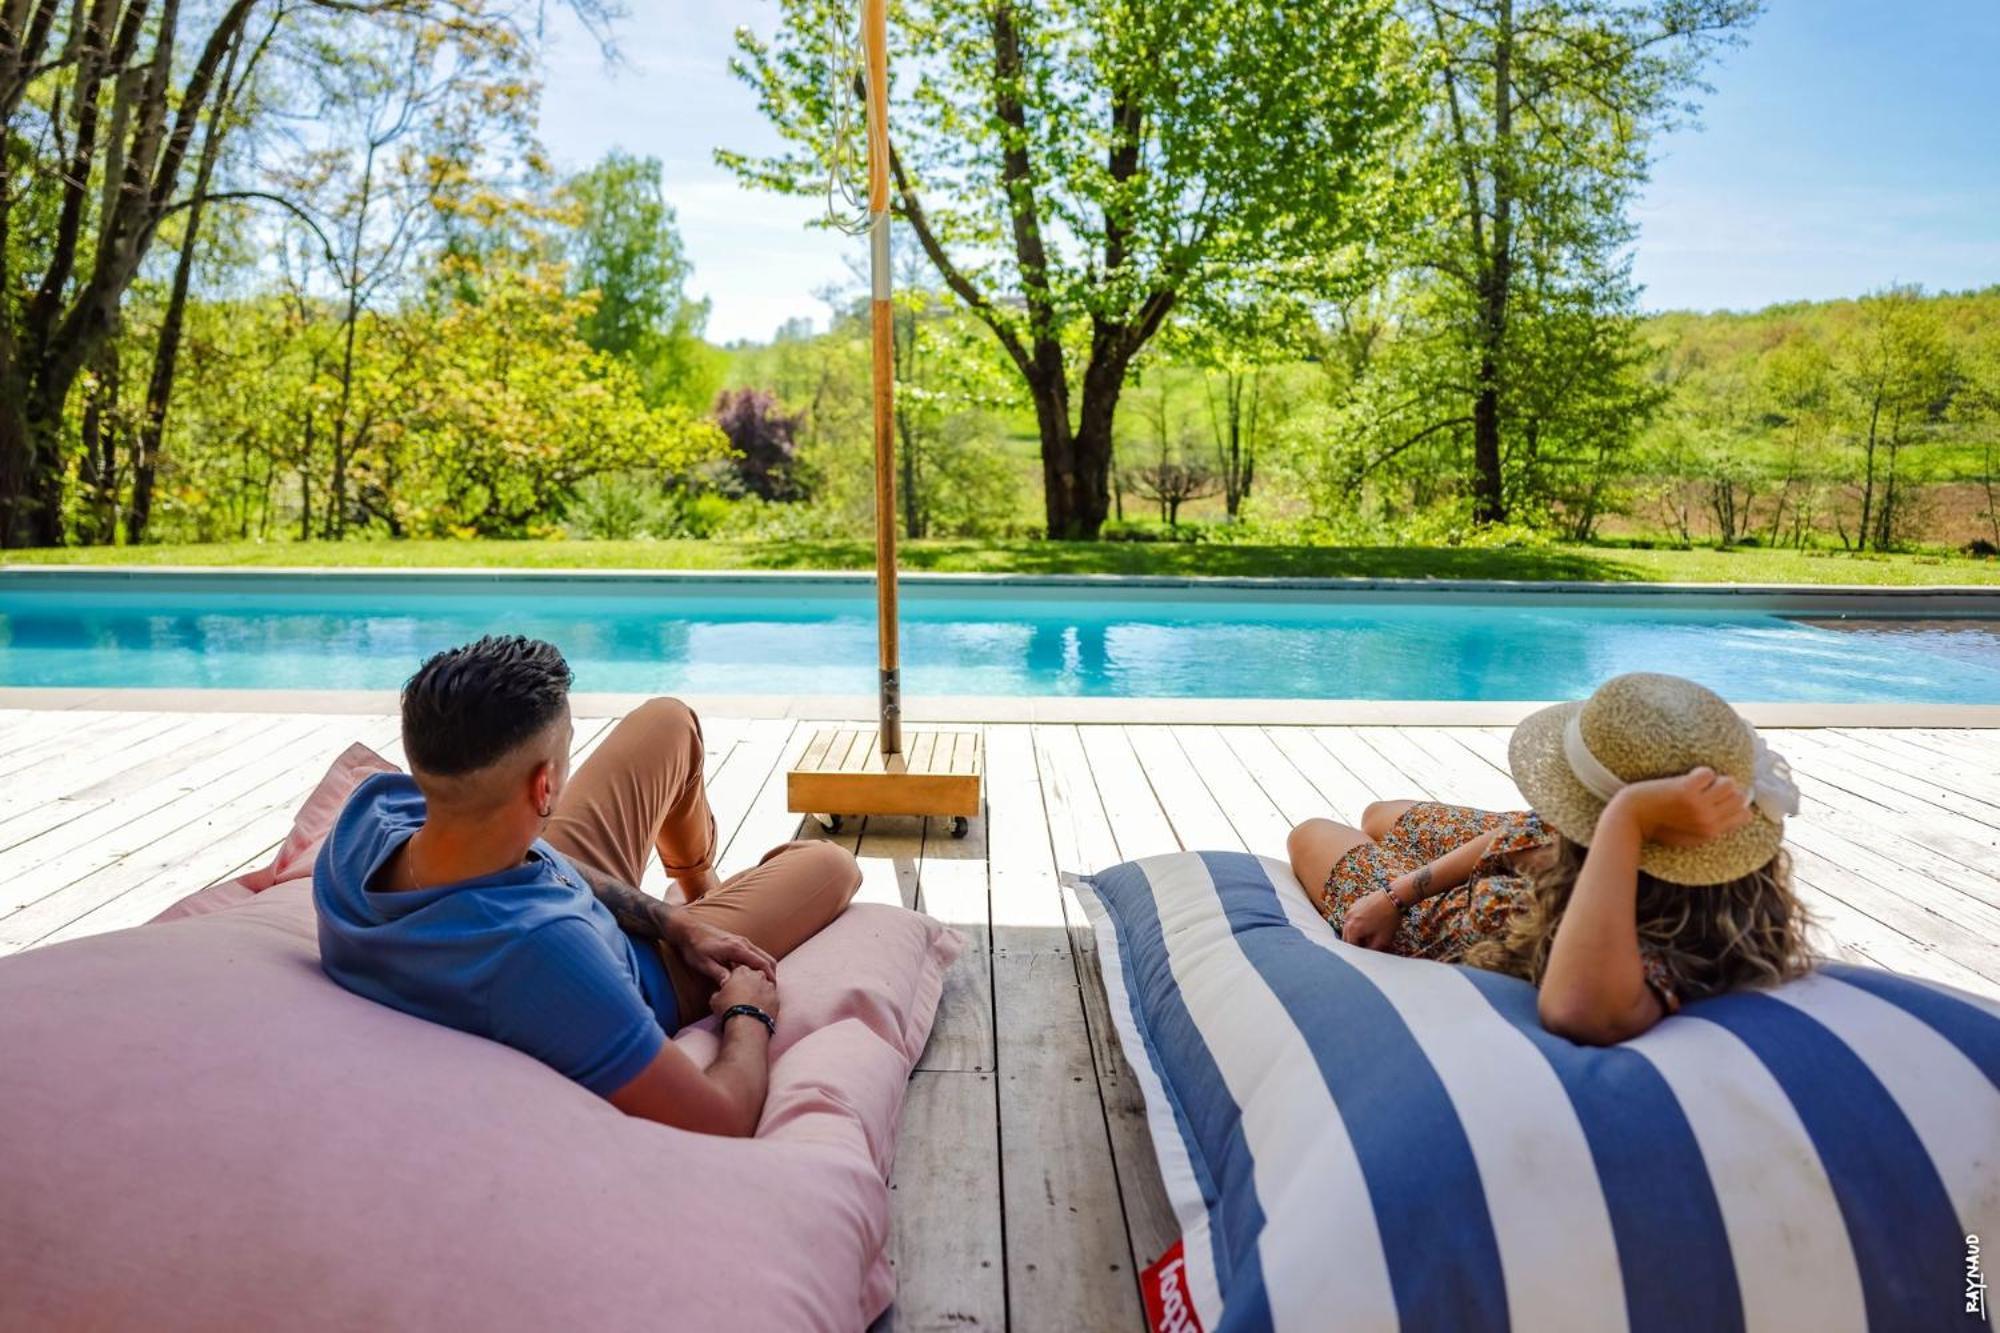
x: 1857, y: 933
x: 1081, y: 831
x: 1069, y: 1260
x: 951, y: 886
x: 1276, y: 775
x: 749, y: 795
x: 1864, y: 776
x: 1902, y: 853
x: 80, y: 802
x: 883, y: 793
x: 945, y: 1231
x: 890, y: 851
x: 815, y: 752
x: 1467, y: 776
x: 1894, y: 751
x: 1138, y: 825
x: 1345, y: 794
x: 152, y: 862
x: 25, y: 771
x: 754, y: 764
x: 21, y: 728
x: 1258, y: 822
x: 1198, y: 821
x: 1360, y: 749
x: 43, y: 864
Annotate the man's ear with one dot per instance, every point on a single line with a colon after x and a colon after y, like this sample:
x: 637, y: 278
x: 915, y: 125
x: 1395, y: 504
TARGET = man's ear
x: 542, y: 787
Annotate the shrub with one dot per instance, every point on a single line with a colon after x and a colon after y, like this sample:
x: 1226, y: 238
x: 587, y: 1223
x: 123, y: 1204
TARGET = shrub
x: 764, y: 438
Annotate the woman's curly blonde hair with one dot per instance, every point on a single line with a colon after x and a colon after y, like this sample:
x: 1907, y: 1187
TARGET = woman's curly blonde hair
x: 1747, y: 932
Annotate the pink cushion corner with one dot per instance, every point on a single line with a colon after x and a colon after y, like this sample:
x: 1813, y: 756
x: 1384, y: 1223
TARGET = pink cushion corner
x: 200, y: 1130
x: 294, y: 859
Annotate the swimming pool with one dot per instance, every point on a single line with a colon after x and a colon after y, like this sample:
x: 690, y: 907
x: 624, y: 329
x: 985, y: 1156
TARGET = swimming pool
x: 816, y: 636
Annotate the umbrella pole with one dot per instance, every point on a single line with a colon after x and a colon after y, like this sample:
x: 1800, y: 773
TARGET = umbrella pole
x: 874, y: 38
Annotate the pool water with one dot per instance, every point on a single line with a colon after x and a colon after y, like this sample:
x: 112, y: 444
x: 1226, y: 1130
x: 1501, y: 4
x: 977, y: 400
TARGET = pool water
x: 793, y: 637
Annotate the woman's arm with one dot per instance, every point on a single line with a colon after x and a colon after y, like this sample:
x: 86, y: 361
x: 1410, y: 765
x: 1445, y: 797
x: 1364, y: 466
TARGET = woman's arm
x: 1595, y: 988
x: 1371, y: 922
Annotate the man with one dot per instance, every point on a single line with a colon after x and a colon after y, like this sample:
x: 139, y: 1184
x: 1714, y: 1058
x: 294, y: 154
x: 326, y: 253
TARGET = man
x: 489, y: 891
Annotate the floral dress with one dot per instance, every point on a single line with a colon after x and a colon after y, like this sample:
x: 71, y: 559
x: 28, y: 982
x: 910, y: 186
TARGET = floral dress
x: 1444, y: 926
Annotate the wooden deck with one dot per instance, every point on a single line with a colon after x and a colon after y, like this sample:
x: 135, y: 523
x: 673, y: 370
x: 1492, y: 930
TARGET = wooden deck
x: 1026, y: 1194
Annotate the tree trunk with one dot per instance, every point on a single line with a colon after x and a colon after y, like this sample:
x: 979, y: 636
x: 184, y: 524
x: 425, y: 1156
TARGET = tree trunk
x: 16, y: 465
x: 1868, y: 474
x: 913, y: 509
x: 159, y: 390
x: 1489, y: 494
x: 98, y: 465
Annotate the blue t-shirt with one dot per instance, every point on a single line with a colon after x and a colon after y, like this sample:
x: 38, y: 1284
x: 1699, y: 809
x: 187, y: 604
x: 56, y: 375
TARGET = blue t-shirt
x: 527, y: 956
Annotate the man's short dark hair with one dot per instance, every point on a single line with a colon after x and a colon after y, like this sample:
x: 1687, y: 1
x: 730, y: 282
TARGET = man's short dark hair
x: 468, y: 706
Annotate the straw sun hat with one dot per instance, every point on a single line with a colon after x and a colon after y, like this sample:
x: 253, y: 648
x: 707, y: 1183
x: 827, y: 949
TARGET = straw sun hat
x: 1571, y: 759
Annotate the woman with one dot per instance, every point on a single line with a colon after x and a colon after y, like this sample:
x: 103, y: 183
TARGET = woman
x: 1648, y: 872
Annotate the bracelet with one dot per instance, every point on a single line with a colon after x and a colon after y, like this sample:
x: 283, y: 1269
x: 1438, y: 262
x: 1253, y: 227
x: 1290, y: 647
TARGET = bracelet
x: 751, y: 1011
x: 1389, y: 892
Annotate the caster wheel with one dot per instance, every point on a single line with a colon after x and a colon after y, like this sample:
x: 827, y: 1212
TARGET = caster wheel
x: 831, y: 823
x: 960, y: 826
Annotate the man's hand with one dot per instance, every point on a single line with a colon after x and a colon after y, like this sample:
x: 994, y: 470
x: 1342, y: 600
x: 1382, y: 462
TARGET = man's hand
x: 746, y: 985
x: 711, y: 952
x: 1371, y: 923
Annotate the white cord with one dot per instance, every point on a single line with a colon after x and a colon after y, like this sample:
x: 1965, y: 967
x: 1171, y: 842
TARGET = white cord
x: 846, y: 195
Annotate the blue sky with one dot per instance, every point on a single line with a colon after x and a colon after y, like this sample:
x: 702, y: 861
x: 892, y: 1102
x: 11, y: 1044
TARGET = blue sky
x: 1850, y: 144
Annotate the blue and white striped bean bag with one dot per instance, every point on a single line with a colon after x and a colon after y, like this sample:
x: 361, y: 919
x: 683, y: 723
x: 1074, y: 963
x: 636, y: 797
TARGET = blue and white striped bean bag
x: 1358, y: 1141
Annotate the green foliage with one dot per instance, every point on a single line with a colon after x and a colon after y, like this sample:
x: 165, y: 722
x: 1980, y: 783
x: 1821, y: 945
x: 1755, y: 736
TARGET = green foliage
x: 1345, y: 273
x: 1078, y: 170
x: 624, y: 248
x: 1845, y: 421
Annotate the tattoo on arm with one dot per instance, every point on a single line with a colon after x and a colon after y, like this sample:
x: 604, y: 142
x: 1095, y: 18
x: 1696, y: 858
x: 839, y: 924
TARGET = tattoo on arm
x: 1421, y: 882
x: 639, y: 915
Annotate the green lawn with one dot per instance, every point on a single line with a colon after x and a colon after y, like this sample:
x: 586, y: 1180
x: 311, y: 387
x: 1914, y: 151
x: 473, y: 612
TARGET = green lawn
x: 1539, y: 563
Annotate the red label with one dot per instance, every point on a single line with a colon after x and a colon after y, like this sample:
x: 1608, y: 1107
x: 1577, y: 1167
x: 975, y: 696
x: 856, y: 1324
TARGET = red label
x: 1169, y: 1303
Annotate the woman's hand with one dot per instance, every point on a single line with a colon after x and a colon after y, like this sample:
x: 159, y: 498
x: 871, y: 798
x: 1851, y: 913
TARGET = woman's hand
x: 1683, y: 811
x: 1371, y: 922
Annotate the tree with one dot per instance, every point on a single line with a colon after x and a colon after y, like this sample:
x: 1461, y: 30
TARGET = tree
x: 99, y: 110
x: 764, y: 438
x: 625, y: 248
x: 96, y: 132
x: 237, y: 70
x: 1540, y: 117
x: 1171, y: 484
x: 510, y: 411
x: 408, y: 112
x: 1078, y: 171
x: 1236, y: 346
x: 945, y: 379
x: 1899, y: 374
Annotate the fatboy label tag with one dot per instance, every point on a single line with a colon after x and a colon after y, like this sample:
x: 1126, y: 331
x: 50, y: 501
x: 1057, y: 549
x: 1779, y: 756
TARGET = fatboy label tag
x: 1169, y: 1303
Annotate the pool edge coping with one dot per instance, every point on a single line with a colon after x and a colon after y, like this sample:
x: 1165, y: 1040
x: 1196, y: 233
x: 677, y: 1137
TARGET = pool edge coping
x: 1955, y: 601
x: 999, y: 708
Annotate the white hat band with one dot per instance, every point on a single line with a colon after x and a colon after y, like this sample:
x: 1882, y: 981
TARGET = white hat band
x: 1774, y: 791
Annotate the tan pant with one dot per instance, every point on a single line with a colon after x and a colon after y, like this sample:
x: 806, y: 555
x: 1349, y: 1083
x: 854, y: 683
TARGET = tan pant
x: 640, y: 792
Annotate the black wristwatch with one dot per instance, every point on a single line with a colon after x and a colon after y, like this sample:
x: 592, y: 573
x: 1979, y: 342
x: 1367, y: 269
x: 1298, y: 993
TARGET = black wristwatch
x: 751, y: 1011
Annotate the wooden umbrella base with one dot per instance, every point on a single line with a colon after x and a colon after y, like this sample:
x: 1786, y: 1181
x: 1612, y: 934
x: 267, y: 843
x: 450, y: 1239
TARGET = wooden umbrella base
x: 844, y: 772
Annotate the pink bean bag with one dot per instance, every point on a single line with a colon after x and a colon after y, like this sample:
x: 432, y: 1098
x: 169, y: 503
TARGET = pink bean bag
x: 199, y: 1130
